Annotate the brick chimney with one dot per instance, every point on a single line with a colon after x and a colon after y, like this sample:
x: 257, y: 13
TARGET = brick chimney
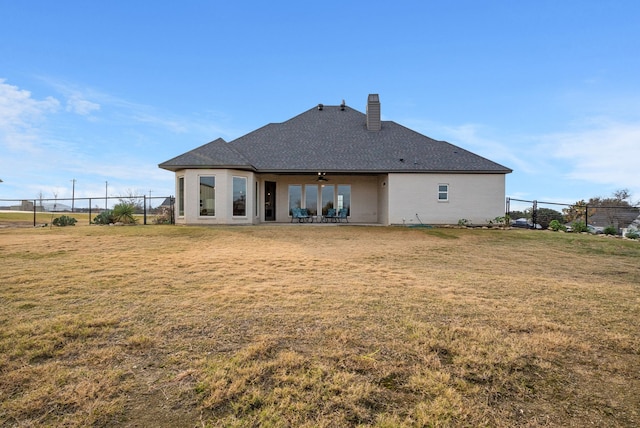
x: 373, y: 113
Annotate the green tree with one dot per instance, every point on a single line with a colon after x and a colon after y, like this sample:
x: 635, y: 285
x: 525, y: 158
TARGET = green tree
x: 546, y: 215
x: 513, y: 215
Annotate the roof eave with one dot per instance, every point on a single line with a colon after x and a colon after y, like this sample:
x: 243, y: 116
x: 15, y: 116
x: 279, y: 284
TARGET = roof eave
x: 175, y: 168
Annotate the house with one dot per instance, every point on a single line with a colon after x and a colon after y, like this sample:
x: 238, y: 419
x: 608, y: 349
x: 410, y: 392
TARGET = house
x: 336, y: 157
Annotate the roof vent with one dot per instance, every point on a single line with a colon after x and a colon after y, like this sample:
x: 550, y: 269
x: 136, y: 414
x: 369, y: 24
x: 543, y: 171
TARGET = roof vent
x: 320, y: 106
x: 342, y: 106
x: 373, y: 113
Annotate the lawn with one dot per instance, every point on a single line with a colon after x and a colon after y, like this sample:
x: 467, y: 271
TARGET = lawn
x: 317, y: 326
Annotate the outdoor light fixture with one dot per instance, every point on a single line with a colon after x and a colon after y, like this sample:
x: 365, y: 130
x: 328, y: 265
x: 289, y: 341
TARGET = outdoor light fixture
x: 321, y: 176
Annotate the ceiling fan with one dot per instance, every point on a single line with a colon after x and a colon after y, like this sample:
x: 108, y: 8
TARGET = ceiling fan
x: 321, y: 177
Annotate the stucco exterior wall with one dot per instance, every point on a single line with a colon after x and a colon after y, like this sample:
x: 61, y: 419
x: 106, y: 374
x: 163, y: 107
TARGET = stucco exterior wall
x: 364, y: 195
x: 223, y: 197
x: 475, y: 197
x: 387, y: 199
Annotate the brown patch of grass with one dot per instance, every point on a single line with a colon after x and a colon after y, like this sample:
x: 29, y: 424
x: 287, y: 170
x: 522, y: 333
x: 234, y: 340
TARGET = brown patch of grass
x: 317, y: 326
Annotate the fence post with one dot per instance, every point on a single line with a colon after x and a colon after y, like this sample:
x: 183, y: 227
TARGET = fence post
x: 172, y: 202
x: 507, y: 209
x: 586, y: 215
x: 34, y: 213
x: 144, y: 202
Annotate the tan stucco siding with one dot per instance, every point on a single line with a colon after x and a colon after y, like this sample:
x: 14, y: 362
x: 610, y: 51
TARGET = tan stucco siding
x: 364, y: 195
x: 223, y: 197
x: 475, y: 197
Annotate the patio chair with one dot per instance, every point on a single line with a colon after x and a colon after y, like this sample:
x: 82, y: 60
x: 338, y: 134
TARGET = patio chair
x: 305, y: 216
x: 330, y: 215
x: 300, y: 214
x: 342, y: 215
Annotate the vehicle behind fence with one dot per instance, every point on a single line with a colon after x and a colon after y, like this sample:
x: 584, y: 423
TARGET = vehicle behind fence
x: 147, y: 209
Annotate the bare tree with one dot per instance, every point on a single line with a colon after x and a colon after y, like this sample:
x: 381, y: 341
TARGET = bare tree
x: 134, y: 199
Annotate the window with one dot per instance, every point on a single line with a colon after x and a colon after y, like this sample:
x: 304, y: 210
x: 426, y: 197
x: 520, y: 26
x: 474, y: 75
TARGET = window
x: 443, y: 192
x: 311, y: 198
x: 207, y: 196
x: 295, y: 197
x: 327, y: 198
x: 239, y: 196
x: 181, y: 196
x: 257, y: 201
x: 344, y: 198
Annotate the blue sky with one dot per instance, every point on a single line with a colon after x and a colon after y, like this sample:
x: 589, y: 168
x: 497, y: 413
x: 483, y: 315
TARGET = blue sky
x: 104, y: 91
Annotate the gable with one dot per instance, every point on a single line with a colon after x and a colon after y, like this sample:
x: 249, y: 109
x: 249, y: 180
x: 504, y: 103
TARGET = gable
x: 217, y: 153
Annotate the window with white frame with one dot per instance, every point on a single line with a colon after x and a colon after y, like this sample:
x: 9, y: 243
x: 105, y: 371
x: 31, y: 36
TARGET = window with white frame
x: 207, y: 195
x: 295, y: 197
x: 181, y: 196
x: 239, y: 196
x: 443, y: 192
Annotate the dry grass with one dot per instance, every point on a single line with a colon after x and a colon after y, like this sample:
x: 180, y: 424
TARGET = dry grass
x: 317, y: 326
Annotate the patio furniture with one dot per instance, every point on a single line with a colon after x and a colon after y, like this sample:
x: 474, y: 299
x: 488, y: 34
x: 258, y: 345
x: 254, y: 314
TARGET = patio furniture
x: 330, y: 215
x: 301, y: 214
x: 342, y: 215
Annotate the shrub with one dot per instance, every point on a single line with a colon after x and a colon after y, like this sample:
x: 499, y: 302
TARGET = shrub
x: 105, y: 217
x: 124, y: 212
x: 464, y: 222
x: 610, y: 230
x: 578, y: 226
x: 163, y: 216
x: 499, y: 221
x: 545, y: 216
x: 64, y: 221
x: 555, y: 225
x: 633, y: 234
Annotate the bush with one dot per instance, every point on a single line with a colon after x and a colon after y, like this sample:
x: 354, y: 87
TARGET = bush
x: 105, y: 217
x: 124, y: 212
x: 64, y: 221
x: 464, y: 222
x: 499, y: 221
x: 633, y: 234
x: 578, y: 226
x: 610, y: 230
x: 555, y: 225
x: 163, y: 216
x: 545, y: 216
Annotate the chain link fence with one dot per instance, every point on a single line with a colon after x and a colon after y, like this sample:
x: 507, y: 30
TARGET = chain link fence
x: 151, y: 210
x: 596, y: 217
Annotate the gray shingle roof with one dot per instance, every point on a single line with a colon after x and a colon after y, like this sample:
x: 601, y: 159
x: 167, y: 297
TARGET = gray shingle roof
x: 334, y: 140
x: 217, y: 153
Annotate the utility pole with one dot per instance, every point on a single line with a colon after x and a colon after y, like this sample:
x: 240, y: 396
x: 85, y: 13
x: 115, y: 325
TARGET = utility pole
x: 73, y: 194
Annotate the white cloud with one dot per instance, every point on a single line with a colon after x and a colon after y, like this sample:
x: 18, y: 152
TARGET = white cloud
x: 77, y: 104
x: 604, y: 152
x: 19, y: 116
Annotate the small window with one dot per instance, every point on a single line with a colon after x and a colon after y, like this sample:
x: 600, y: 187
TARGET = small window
x: 443, y: 192
x: 181, y: 196
x: 207, y: 196
x: 239, y: 196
